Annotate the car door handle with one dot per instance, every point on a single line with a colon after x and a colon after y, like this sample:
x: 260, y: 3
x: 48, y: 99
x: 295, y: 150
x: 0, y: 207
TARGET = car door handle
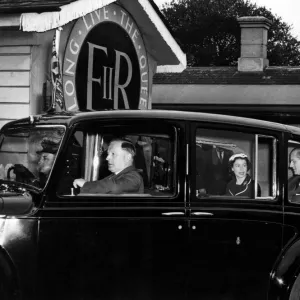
x: 173, y: 213
x: 201, y: 213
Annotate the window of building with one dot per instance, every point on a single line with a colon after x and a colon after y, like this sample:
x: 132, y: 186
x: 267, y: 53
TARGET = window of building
x: 235, y: 164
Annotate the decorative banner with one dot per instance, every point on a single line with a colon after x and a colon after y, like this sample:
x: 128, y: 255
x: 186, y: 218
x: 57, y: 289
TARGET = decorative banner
x: 57, y: 86
x: 45, y: 21
x: 105, y: 64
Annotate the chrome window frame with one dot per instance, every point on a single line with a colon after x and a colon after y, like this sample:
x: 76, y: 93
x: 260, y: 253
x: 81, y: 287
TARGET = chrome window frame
x: 273, y: 163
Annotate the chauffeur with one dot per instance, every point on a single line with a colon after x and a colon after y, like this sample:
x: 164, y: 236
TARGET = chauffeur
x: 125, y: 178
x: 294, y: 182
x: 46, y: 160
x: 47, y: 157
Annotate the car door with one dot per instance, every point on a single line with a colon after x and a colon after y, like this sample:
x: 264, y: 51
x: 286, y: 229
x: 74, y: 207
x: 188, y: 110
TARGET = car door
x: 112, y: 253
x: 234, y: 240
x: 104, y: 246
x: 287, y: 267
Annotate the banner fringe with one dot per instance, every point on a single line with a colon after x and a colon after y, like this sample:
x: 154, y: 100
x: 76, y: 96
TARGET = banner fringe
x: 49, y: 20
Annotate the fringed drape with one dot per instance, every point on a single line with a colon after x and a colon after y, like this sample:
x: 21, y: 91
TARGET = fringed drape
x: 49, y: 20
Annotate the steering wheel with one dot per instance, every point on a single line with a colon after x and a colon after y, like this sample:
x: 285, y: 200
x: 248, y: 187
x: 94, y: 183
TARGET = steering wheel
x: 22, y: 174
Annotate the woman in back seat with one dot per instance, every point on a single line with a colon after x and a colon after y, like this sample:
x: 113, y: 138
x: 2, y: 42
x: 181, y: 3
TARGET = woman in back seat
x: 241, y: 184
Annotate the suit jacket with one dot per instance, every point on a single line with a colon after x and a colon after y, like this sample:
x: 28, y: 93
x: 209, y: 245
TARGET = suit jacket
x: 245, y: 189
x: 294, y: 188
x: 202, y: 159
x: 217, y: 173
x: 127, y: 181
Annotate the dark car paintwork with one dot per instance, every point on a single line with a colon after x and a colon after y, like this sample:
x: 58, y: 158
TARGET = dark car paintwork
x: 184, y: 249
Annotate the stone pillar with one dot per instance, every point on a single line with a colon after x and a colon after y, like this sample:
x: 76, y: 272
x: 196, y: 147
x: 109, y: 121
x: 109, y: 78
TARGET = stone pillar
x: 254, y: 37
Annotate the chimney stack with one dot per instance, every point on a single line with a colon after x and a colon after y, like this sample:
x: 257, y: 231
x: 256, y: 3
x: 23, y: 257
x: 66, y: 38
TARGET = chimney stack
x: 254, y: 37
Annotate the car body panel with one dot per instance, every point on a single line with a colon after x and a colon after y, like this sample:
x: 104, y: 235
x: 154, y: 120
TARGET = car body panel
x: 179, y: 247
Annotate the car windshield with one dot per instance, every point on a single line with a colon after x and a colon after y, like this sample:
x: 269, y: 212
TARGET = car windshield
x: 27, y: 154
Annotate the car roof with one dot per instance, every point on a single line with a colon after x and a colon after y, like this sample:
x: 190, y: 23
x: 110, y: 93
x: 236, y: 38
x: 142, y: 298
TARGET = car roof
x: 70, y: 118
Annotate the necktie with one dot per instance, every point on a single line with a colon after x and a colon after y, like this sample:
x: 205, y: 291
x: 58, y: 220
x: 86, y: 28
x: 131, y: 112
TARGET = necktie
x: 220, y: 155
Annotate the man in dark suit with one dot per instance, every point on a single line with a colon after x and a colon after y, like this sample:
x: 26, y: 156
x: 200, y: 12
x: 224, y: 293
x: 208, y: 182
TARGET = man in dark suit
x: 125, y: 178
x: 202, y: 159
x: 294, y: 182
x: 217, y: 174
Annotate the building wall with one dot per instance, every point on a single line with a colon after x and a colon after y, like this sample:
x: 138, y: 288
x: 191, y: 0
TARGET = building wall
x: 24, y: 68
x: 226, y: 94
x: 21, y: 74
x: 15, y: 63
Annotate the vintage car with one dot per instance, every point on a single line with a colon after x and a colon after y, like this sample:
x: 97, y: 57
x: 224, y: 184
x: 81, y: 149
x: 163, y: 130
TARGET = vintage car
x: 185, y: 237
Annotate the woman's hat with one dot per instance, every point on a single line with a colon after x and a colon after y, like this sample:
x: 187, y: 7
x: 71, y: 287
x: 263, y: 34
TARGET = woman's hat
x: 48, y: 146
x: 238, y: 155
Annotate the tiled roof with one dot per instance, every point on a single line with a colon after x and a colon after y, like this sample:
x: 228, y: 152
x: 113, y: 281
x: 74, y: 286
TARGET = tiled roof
x: 230, y: 75
x: 20, y: 6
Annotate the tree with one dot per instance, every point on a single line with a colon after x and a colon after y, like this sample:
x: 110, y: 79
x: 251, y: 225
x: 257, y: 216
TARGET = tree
x: 209, y: 33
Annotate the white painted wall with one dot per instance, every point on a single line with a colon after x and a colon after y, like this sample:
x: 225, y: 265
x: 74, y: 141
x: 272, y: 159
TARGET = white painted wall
x: 226, y: 94
x: 15, y: 63
x: 24, y: 67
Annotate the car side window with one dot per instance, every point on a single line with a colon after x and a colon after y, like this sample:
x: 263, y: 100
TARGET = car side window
x: 293, y: 171
x: 235, y: 165
x: 90, y: 149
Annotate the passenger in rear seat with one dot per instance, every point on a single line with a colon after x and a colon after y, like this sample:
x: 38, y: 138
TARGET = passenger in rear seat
x: 241, y: 184
x: 294, y: 182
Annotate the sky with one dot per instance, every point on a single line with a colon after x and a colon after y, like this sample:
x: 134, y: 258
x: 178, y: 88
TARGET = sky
x: 288, y: 10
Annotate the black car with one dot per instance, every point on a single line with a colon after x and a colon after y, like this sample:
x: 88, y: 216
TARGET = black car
x: 188, y: 236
